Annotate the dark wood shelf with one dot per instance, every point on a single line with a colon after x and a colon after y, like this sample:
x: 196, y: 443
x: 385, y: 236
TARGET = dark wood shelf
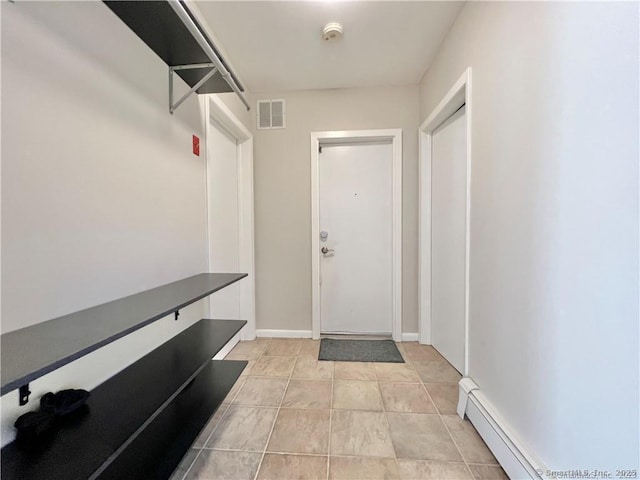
x: 159, y: 402
x: 158, y: 450
x: 157, y: 25
x: 31, y: 352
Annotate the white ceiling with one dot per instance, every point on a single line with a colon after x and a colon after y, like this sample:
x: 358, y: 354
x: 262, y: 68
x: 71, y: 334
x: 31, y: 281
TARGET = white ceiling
x: 278, y: 46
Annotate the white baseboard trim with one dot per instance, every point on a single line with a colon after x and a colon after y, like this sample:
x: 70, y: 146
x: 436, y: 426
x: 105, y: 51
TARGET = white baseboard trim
x: 410, y: 337
x: 247, y: 334
x: 515, y: 460
x: 224, y: 351
x: 406, y: 337
x: 283, y: 333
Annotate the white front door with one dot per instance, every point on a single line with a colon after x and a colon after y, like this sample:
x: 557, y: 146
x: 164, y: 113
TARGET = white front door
x: 448, y: 238
x: 356, y: 231
x: 224, y: 233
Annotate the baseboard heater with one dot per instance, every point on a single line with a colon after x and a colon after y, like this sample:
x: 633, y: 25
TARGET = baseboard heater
x: 510, y: 453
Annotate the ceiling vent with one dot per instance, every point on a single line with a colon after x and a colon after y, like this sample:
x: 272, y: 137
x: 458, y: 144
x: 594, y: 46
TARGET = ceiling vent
x: 271, y: 114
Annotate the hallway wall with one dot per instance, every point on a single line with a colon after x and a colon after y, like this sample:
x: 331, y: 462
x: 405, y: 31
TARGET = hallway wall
x: 98, y: 177
x: 283, y: 195
x: 554, y: 221
x: 233, y: 102
x: 101, y: 195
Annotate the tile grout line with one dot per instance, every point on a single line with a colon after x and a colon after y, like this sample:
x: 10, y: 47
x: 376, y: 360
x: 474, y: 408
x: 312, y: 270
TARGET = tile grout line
x: 331, y: 424
x: 275, y: 419
x: 464, y: 460
x: 319, y: 455
x: 386, y: 418
x: 275, y: 452
x: 205, y: 442
x: 227, y: 406
x: 224, y: 413
x: 466, y: 464
x: 366, y: 457
x: 333, y: 373
x: 385, y: 409
x: 221, y: 416
x: 186, y: 472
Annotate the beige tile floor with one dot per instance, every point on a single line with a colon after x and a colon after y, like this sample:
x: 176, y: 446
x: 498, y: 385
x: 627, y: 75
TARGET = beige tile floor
x: 292, y: 417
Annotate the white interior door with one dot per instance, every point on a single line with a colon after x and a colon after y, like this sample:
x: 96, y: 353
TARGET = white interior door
x: 356, y: 214
x: 448, y: 238
x: 224, y: 217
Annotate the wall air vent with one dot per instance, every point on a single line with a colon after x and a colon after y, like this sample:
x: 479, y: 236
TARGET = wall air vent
x: 271, y: 114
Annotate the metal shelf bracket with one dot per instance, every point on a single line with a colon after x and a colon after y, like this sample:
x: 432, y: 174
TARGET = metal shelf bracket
x: 23, y: 393
x: 173, y: 106
x: 181, y: 10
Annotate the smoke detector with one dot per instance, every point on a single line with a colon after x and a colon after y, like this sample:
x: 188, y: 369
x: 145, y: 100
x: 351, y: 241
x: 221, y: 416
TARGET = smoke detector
x: 332, y: 32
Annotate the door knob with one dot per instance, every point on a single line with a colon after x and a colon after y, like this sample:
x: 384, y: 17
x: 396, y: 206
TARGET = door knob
x: 326, y: 250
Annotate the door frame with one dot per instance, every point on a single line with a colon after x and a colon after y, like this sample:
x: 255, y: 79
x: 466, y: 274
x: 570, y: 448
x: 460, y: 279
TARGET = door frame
x: 347, y: 137
x: 216, y: 110
x: 459, y: 94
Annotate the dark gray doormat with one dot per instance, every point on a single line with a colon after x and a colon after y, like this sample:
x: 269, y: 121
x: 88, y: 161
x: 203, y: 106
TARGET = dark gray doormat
x: 343, y: 350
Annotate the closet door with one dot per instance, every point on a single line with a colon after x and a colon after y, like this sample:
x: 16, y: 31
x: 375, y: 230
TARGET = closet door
x: 448, y: 238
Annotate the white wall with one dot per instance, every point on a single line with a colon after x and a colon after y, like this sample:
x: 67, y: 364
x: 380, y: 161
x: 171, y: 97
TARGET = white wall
x: 101, y: 195
x: 282, y: 168
x: 554, y: 221
x: 238, y: 108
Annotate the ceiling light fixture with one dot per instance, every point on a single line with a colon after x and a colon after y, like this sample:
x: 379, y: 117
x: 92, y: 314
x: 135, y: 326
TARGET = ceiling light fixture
x: 332, y: 32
